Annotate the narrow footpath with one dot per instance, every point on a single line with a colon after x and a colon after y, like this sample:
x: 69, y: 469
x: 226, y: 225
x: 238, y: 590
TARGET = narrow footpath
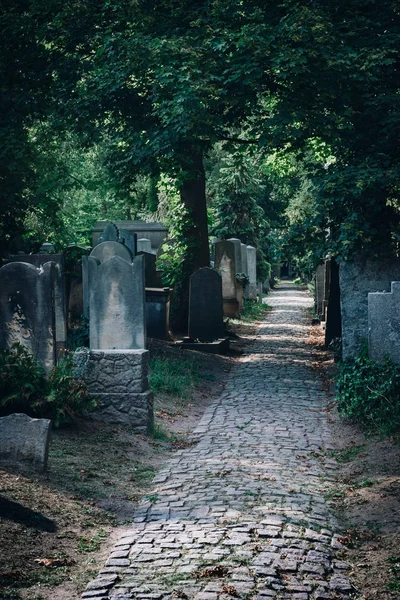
x: 241, y: 513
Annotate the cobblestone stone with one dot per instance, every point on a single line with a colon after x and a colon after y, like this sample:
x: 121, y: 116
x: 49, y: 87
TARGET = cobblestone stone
x: 242, y: 511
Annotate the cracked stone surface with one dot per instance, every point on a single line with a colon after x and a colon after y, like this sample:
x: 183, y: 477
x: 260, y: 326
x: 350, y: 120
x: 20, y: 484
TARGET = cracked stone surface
x: 241, y: 513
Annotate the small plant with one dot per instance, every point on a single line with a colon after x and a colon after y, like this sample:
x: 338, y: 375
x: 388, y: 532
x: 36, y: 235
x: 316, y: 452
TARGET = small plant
x: 24, y: 387
x: 346, y: 454
x: 254, y: 311
x: 369, y: 393
x: 91, y: 544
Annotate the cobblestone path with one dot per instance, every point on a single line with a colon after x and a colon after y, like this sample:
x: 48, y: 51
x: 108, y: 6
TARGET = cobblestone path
x: 241, y: 513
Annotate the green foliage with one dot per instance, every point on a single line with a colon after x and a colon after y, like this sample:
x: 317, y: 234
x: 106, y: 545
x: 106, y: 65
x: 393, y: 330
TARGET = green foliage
x: 253, y: 311
x: 394, y: 569
x: 346, y: 454
x: 369, y: 393
x: 24, y: 387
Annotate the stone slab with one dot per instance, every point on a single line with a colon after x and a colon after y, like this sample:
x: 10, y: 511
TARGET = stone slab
x: 24, y: 441
x: 384, y: 324
x: 205, y: 305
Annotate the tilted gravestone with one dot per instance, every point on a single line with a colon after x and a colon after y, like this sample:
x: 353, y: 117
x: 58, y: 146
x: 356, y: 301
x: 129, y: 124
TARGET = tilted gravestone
x: 252, y: 271
x: 117, y: 303
x: 384, y: 324
x: 205, y: 305
x: 27, y: 311
x: 24, y: 441
x: 226, y: 255
x: 60, y: 304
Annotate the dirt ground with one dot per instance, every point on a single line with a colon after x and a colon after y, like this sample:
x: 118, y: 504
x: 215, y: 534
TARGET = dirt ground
x: 57, y: 529
x: 366, y: 496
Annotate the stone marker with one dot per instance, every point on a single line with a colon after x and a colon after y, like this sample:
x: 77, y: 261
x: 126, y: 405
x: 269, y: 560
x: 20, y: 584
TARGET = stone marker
x: 357, y: 279
x: 117, y: 302
x: 60, y: 302
x: 118, y: 379
x: 102, y: 252
x: 384, y: 324
x: 205, y: 305
x: 238, y: 254
x: 73, y: 279
x: 110, y: 233
x: 27, y: 310
x: 157, y: 312
x: 244, y: 269
x: 47, y: 248
x: 226, y: 254
x: 129, y: 238
x: 129, y: 230
x: 144, y: 245
x: 252, y: 271
x: 319, y: 289
x: 24, y: 441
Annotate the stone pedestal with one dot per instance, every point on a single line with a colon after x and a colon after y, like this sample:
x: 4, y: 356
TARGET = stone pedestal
x: 118, y: 379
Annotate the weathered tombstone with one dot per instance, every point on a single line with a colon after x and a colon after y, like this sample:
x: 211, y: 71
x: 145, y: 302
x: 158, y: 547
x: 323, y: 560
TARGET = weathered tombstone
x: 319, y: 289
x: 110, y: 233
x: 384, y: 324
x: 205, y: 305
x: 252, y: 271
x: 157, y: 312
x: 129, y: 238
x: 27, y: 310
x: 60, y: 304
x: 333, y: 327
x: 117, y: 303
x: 24, y: 441
x: 73, y: 280
x: 47, y: 248
x: 102, y: 252
x: 260, y: 292
x: 151, y: 275
x: 358, y: 278
x: 238, y: 253
x: 144, y: 245
x: 244, y: 270
x: 226, y: 254
x: 129, y: 230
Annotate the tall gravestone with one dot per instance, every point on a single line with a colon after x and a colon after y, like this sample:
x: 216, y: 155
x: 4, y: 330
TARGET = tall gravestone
x: 205, y: 305
x: 27, y: 310
x: 117, y: 303
x: 244, y: 269
x: 102, y: 252
x: 59, y: 293
x: 252, y: 271
x: 384, y: 324
x: 226, y: 256
x: 319, y: 289
x: 73, y: 280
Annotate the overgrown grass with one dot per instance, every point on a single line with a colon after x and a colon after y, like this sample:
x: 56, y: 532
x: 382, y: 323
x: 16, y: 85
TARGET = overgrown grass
x: 369, y: 393
x: 346, y: 454
x: 175, y: 375
x: 253, y: 311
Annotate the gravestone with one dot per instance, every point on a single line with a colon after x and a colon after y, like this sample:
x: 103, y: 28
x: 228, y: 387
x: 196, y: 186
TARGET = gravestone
x: 102, y: 252
x: 226, y: 255
x: 157, y: 312
x: 60, y: 303
x: 319, y: 289
x: 358, y: 278
x: 130, y: 230
x: 73, y: 279
x: 152, y: 277
x: 384, y: 324
x: 110, y: 233
x: 144, y: 245
x: 27, y: 310
x: 205, y: 305
x: 244, y: 269
x: 238, y: 253
x: 252, y: 271
x: 116, y: 302
x: 47, y: 248
x: 24, y: 441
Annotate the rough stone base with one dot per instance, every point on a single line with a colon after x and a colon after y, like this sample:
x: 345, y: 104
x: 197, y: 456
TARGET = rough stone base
x: 118, y: 379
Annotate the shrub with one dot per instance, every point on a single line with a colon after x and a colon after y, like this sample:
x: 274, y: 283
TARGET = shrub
x: 24, y: 387
x: 369, y: 393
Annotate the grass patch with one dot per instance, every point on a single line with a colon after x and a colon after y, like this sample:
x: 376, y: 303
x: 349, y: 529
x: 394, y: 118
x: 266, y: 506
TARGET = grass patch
x: 254, y: 311
x: 175, y: 376
x: 346, y: 454
x: 394, y: 582
x: 91, y: 544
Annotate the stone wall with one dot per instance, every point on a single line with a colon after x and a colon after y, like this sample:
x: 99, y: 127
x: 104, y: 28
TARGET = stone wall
x: 118, y: 379
x: 384, y: 324
x: 357, y: 279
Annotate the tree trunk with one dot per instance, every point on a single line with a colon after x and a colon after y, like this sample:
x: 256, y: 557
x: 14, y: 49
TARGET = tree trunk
x: 193, y: 196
